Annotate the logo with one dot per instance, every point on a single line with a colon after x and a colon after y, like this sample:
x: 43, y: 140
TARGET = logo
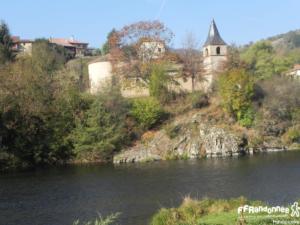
x: 293, y: 211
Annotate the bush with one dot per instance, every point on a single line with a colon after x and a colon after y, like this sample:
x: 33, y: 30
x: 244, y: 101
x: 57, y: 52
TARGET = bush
x: 236, y: 90
x: 279, y: 108
x: 172, y: 130
x: 246, y: 118
x: 158, y: 85
x: 198, y: 99
x: 103, y: 128
x: 292, y: 135
x: 147, y: 111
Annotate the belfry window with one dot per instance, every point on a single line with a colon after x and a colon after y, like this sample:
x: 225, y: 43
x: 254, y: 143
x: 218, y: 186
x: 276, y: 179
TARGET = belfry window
x: 206, y: 52
x: 218, y: 50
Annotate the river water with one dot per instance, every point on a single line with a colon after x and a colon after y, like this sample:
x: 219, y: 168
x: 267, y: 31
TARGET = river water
x: 58, y: 196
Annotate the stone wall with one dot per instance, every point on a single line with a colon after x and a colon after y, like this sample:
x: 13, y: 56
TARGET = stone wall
x: 100, y: 72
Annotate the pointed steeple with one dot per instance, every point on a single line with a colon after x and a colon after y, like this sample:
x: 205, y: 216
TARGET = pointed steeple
x: 214, y: 37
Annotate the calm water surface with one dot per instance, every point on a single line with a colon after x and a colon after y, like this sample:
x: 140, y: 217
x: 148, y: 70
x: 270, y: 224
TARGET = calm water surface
x: 61, y: 195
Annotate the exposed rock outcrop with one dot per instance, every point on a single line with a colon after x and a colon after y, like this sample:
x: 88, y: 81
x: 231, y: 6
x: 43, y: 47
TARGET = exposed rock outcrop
x: 194, y: 138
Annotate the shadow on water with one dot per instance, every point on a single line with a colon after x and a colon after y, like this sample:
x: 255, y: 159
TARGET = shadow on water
x: 58, y: 196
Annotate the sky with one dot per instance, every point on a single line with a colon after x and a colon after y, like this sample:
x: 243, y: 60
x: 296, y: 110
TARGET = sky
x: 238, y: 21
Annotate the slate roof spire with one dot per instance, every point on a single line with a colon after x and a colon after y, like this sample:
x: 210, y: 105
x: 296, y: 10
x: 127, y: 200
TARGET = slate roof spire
x: 214, y: 37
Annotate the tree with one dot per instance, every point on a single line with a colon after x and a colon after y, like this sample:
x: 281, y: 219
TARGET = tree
x: 154, y: 30
x: 125, y: 47
x: 38, y: 107
x: 158, y: 85
x: 106, y: 46
x: 191, y: 58
x: 263, y: 61
x: 6, y: 44
x: 47, y: 57
x: 236, y: 89
x: 102, y: 130
x: 280, y: 106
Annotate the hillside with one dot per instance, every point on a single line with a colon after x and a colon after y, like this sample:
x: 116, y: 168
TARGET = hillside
x: 286, y: 42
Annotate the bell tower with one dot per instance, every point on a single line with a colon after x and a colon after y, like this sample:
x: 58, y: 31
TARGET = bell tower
x: 214, y: 53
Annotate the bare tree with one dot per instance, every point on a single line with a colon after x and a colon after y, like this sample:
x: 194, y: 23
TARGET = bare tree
x: 192, y: 59
x: 136, y: 46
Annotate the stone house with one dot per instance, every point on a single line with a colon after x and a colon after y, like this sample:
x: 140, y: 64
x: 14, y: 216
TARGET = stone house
x: 151, y: 49
x: 78, y: 48
x: 294, y: 73
x: 23, y: 46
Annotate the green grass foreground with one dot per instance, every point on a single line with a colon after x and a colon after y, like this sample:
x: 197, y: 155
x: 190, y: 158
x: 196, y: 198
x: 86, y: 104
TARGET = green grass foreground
x: 217, y: 212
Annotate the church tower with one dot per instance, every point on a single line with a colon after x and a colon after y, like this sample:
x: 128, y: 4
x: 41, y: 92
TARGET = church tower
x: 214, y: 53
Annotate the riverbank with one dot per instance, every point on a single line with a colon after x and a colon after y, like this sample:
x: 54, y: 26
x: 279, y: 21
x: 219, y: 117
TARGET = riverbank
x: 225, y: 212
x: 198, y: 134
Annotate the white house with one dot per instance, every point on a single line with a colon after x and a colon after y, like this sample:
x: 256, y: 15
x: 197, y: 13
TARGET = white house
x: 151, y: 49
x: 295, y: 72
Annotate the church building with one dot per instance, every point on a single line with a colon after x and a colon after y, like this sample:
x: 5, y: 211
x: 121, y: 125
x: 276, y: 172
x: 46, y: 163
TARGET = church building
x: 214, y: 54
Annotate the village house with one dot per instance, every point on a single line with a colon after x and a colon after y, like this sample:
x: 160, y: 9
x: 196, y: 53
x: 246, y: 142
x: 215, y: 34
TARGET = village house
x: 151, y: 49
x: 295, y: 72
x: 22, y: 45
x: 78, y: 48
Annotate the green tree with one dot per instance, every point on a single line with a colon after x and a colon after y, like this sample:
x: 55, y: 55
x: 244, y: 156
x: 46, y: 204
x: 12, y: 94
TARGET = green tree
x: 264, y: 62
x: 148, y: 112
x: 158, y: 84
x: 6, y: 44
x: 106, y: 46
x: 236, y: 89
x: 102, y: 130
x: 47, y: 57
x: 38, y: 107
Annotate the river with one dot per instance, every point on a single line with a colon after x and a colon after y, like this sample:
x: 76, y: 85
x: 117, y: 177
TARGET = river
x: 58, y: 196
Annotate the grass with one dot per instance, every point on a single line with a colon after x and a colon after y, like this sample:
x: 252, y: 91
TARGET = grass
x: 215, y: 212
x: 109, y: 220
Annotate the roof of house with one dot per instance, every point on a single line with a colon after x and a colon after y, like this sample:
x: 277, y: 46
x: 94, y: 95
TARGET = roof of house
x: 214, y: 37
x: 296, y: 67
x: 16, y: 39
x: 66, y: 42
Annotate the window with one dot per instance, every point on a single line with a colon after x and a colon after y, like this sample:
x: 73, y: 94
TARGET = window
x: 218, y: 50
x: 159, y: 50
x: 206, y: 52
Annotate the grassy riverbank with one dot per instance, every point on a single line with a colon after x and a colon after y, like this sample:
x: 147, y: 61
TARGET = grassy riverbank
x: 209, y: 211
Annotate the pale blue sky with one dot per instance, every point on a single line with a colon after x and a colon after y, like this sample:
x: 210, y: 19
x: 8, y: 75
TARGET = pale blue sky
x: 90, y: 20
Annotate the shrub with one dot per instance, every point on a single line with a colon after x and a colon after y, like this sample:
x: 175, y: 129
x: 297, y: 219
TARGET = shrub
x: 246, y: 117
x: 279, y: 108
x: 236, y: 90
x: 103, y: 128
x: 147, y: 111
x: 198, y: 99
x: 158, y: 85
x: 292, y: 135
x: 172, y: 130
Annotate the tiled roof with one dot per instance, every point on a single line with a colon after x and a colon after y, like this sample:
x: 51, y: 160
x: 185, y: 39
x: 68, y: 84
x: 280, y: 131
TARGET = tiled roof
x: 16, y: 39
x: 65, y: 42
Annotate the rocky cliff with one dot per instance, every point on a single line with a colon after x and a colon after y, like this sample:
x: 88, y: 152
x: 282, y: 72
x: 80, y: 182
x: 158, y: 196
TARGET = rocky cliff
x: 188, y: 137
